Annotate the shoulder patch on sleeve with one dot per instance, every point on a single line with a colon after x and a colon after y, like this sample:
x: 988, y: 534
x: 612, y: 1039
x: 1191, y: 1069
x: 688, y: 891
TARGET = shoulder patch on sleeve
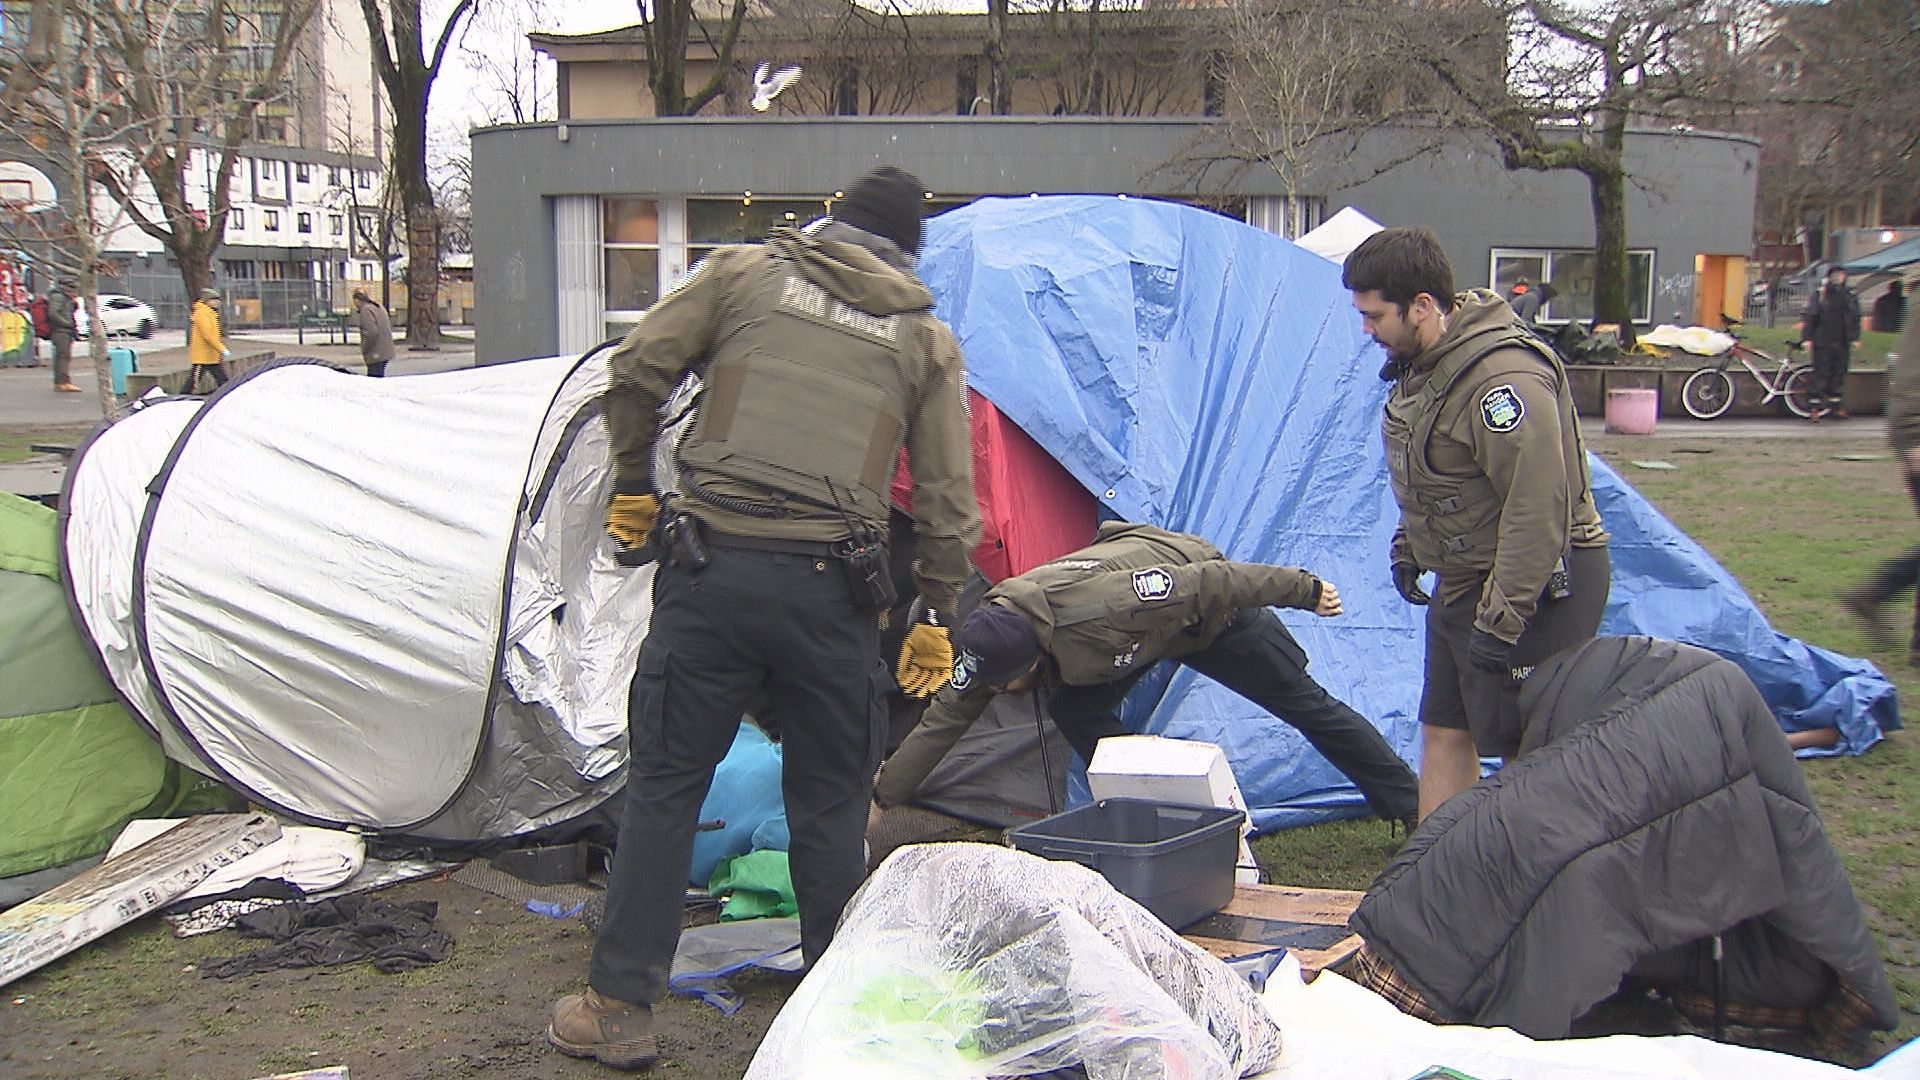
x: 1501, y: 409
x: 1153, y: 583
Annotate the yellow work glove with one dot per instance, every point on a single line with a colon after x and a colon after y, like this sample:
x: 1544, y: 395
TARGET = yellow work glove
x: 630, y: 518
x: 926, y: 661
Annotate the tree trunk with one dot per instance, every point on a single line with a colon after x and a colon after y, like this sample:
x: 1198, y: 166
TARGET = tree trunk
x: 666, y: 68
x: 999, y: 86
x: 1609, y: 192
x: 423, y: 234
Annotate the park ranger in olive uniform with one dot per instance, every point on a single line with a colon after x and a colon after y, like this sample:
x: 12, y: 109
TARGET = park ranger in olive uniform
x: 1090, y: 624
x: 820, y: 357
x: 1487, y: 464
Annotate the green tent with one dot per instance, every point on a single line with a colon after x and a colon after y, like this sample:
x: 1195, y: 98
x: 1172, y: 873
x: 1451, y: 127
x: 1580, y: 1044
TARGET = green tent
x: 74, y: 767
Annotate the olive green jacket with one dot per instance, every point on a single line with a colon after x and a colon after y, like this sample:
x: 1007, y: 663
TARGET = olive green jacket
x: 1500, y: 487
x: 822, y: 359
x: 1138, y: 595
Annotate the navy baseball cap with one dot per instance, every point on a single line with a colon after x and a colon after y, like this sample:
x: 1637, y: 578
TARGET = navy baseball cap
x: 997, y: 646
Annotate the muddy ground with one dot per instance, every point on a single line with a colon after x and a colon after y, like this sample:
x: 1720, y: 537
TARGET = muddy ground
x: 135, y: 1005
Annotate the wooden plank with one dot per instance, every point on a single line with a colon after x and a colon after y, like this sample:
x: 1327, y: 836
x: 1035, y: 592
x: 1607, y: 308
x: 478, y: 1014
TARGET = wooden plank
x: 1261, y: 918
x: 1289, y: 903
x: 121, y: 890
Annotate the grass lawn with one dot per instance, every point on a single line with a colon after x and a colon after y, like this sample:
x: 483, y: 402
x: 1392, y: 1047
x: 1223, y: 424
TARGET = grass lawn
x: 15, y: 442
x: 1869, y: 352
x: 1796, y: 524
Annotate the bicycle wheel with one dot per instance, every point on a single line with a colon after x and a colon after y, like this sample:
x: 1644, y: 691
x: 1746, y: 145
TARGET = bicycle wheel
x: 1707, y: 393
x: 1796, y: 392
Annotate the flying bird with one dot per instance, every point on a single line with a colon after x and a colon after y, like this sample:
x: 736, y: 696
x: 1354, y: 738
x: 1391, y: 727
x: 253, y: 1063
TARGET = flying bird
x: 767, y: 84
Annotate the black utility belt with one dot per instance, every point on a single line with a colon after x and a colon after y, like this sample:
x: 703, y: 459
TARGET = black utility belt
x: 818, y: 549
x: 862, y: 560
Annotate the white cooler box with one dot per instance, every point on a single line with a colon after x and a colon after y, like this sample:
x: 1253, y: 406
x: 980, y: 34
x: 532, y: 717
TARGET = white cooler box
x: 1172, y: 771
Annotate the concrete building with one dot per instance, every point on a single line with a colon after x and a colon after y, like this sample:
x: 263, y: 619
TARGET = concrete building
x: 579, y: 225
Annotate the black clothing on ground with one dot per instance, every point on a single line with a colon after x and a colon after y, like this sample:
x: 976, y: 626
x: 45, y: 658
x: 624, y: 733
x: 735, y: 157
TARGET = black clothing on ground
x: 1461, y: 695
x: 751, y: 620
x: 1258, y: 658
x: 345, y: 929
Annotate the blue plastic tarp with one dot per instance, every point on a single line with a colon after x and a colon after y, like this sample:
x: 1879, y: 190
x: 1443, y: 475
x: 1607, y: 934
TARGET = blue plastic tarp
x: 1212, y: 378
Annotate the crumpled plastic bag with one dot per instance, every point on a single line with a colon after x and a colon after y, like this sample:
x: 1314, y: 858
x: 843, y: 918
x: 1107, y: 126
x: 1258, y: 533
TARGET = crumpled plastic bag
x: 966, y: 961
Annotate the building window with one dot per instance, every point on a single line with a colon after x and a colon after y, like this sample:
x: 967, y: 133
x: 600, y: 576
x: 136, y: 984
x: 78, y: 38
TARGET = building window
x: 237, y: 269
x: 268, y: 169
x: 1213, y: 91
x: 300, y: 172
x: 304, y: 223
x: 272, y: 271
x: 236, y: 219
x: 273, y: 220
x: 1571, y: 272
x: 362, y: 179
x: 336, y: 224
x: 630, y: 237
x: 966, y: 84
x: 746, y: 220
x: 333, y: 175
x: 846, y: 92
x: 368, y: 225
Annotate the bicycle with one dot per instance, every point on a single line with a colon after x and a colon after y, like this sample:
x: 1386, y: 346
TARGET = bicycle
x: 1710, y: 391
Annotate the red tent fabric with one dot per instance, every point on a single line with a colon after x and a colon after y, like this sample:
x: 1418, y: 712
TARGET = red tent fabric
x: 1031, y: 509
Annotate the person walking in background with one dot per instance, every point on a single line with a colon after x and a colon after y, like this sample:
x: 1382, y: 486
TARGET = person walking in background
x: 1890, y: 311
x: 60, y: 331
x: 1486, y: 461
x: 206, y: 347
x: 1828, y: 329
x: 1897, y: 575
x: 376, y: 333
x: 822, y: 358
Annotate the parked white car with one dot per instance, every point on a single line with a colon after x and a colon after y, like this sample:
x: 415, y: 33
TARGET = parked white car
x: 124, y: 316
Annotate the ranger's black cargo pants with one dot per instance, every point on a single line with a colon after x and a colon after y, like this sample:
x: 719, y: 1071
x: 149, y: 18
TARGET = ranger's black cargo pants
x: 751, y: 619
x: 1257, y: 658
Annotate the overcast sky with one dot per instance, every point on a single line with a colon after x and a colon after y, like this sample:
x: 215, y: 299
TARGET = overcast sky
x: 469, y: 87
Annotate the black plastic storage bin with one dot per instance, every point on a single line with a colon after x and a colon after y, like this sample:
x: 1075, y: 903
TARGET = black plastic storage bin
x: 1175, y: 861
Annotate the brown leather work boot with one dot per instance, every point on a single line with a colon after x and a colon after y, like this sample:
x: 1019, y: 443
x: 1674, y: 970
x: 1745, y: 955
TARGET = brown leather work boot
x: 614, y: 1033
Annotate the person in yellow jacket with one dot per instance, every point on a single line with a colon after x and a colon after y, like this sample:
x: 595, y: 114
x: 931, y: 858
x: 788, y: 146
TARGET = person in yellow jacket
x: 206, y: 347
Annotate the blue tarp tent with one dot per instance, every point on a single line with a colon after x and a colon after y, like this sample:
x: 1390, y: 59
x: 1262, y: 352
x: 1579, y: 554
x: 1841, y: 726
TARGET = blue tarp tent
x: 1209, y: 377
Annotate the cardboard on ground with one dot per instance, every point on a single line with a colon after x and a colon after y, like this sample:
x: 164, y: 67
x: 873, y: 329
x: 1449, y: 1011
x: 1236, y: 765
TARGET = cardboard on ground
x: 1172, y: 771
x: 124, y: 888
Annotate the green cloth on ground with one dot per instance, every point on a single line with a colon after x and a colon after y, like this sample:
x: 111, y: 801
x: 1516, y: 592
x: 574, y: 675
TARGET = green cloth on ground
x: 757, y: 885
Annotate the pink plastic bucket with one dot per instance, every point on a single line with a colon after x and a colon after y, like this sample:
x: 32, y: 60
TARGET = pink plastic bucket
x: 1633, y: 412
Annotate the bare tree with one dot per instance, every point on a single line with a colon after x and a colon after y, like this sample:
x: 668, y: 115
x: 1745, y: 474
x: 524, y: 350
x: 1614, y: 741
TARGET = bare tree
x: 667, y: 27
x: 400, y: 55
x: 71, y: 123
x: 1832, y: 92
x: 513, y: 87
x: 1577, y: 77
x: 1111, y: 57
x: 177, y: 88
x: 857, y: 58
x: 1295, y: 86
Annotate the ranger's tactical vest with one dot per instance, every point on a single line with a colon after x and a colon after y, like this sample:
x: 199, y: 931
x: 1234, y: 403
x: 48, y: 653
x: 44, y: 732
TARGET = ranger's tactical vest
x: 805, y: 400
x: 1453, y: 522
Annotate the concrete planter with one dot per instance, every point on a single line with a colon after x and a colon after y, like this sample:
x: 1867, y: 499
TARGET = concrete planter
x: 1866, y: 392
